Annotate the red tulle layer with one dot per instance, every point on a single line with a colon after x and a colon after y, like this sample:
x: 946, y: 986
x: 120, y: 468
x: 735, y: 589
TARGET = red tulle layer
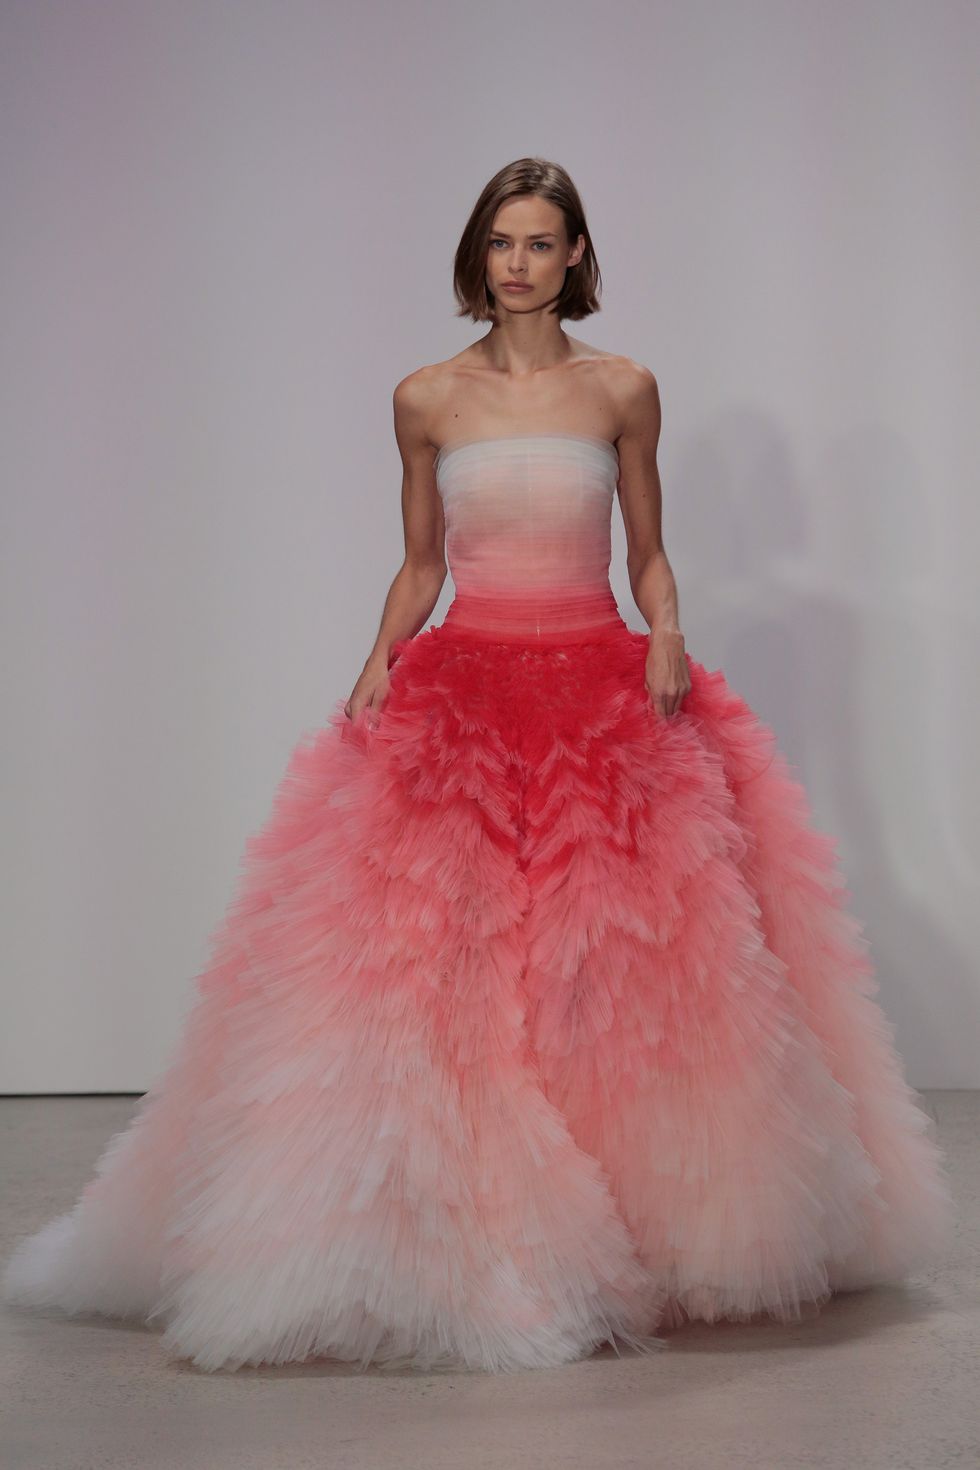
x: 538, y: 1020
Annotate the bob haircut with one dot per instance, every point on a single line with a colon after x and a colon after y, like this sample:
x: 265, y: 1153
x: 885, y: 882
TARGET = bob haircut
x: 579, y: 296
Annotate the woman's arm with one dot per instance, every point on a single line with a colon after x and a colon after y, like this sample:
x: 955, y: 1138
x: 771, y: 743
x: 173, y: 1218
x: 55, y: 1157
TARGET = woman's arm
x: 418, y: 582
x: 641, y: 500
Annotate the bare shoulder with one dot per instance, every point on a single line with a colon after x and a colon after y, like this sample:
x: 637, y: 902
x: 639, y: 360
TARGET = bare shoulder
x: 414, y: 392
x: 632, y: 387
x: 420, y: 397
x: 627, y: 387
x: 414, y: 401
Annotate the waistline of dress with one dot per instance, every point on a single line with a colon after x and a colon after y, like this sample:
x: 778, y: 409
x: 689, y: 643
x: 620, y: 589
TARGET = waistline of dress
x: 533, y: 618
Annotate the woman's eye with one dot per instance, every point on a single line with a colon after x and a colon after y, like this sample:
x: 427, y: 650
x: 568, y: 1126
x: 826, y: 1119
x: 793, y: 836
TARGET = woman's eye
x: 543, y: 243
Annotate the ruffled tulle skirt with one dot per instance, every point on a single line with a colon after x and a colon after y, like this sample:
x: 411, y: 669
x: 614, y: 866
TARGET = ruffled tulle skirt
x: 537, y: 1021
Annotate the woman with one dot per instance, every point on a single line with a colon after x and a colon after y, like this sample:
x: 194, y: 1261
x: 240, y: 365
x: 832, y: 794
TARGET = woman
x: 538, y: 1020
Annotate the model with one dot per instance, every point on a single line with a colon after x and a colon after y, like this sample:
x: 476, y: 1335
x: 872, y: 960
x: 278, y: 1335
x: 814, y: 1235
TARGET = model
x: 538, y: 1019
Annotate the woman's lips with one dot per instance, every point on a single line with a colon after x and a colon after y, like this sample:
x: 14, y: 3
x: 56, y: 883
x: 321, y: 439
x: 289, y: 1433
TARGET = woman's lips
x: 509, y: 287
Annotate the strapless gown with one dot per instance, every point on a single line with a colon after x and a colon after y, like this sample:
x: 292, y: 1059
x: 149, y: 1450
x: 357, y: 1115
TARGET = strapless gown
x: 535, y: 1022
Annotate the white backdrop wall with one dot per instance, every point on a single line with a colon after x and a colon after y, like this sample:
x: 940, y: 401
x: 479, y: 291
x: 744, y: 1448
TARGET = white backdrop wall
x: 228, y: 232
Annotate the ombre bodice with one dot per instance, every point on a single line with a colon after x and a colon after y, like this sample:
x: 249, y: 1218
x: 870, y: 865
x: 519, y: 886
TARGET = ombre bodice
x: 528, y: 536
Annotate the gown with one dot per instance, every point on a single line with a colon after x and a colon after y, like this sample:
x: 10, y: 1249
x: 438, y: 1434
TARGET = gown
x: 535, y: 1022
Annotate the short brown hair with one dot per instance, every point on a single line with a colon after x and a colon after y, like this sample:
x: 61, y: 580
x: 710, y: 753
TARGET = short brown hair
x: 579, y: 295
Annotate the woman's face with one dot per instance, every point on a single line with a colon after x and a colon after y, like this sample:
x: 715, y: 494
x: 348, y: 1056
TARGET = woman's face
x: 528, y: 243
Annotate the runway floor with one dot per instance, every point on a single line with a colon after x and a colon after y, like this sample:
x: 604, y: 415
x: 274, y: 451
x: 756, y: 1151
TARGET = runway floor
x: 884, y: 1378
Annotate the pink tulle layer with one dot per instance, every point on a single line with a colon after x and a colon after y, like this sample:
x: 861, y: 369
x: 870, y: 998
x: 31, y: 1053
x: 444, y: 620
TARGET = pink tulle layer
x: 537, y: 1021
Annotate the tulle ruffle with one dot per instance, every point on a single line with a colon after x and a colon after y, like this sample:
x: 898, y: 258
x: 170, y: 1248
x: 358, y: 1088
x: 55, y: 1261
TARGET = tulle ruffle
x: 537, y: 1021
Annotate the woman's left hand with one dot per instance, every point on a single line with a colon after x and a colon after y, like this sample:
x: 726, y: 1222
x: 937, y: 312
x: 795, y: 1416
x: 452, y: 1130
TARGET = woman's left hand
x: 667, y: 676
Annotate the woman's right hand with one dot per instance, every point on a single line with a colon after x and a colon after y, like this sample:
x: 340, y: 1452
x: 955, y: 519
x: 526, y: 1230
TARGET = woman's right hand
x: 370, y: 691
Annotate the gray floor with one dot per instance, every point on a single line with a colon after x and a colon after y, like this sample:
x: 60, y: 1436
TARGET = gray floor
x: 886, y: 1378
